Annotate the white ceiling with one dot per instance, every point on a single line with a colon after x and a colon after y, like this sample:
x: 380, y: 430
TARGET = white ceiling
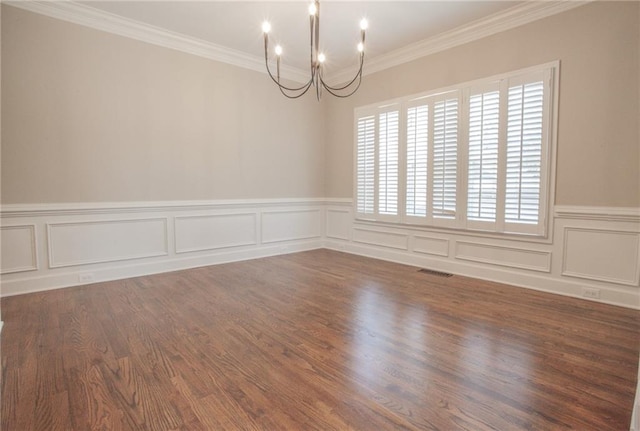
x: 237, y: 24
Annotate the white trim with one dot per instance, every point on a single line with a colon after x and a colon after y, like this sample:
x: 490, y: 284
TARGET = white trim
x: 502, y: 21
x: 402, y: 236
x: 100, y: 20
x: 243, y: 243
x: 568, y: 273
x: 613, y: 214
x: 514, y: 277
x: 59, y: 279
x: 416, y: 249
x: 87, y: 208
x: 35, y: 264
x: 547, y: 254
x: 50, y: 245
x: 294, y: 220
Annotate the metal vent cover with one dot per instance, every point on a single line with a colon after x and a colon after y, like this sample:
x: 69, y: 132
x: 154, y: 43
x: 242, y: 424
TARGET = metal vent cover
x: 436, y: 273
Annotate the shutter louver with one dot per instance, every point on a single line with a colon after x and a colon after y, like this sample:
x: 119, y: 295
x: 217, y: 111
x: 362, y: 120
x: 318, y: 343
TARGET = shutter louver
x: 483, y: 156
x: 366, y: 165
x: 388, y: 131
x: 445, y: 158
x: 417, y: 153
x: 524, y: 152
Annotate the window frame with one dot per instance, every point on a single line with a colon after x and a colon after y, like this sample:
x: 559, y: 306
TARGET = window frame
x: 550, y: 73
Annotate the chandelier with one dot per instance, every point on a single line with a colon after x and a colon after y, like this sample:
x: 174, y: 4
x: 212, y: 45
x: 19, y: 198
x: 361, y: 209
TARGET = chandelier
x: 317, y: 60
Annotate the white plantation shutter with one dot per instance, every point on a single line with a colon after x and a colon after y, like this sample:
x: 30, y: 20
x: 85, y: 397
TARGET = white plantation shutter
x: 478, y: 162
x: 445, y: 158
x: 365, y: 176
x: 417, y: 152
x: 527, y: 110
x: 482, y: 171
x: 388, y: 163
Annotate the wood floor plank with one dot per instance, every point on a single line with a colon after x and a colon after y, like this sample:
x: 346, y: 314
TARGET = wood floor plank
x: 319, y: 340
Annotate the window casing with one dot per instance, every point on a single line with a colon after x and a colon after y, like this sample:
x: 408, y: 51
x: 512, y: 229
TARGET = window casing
x: 474, y: 157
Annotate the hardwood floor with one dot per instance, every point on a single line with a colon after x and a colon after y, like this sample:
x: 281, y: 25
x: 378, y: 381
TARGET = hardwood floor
x: 318, y: 340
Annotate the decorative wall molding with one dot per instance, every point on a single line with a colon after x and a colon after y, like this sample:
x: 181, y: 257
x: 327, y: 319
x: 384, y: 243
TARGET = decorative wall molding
x: 502, y: 21
x: 337, y: 222
x: 611, y: 256
x: 19, y: 248
x: 290, y: 225
x: 101, y: 20
x: 114, y: 208
x: 98, y: 241
x: 107, y: 241
x: 430, y: 245
x: 613, y: 214
x: 513, y: 257
x: 215, y: 231
x: 381, y: 238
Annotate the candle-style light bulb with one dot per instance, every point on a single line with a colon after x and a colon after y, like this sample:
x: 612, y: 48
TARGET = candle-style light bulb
x: 266, y: 27
x: 361, y: 47
x: 313, y: 9
x: 278, y: 50
x: 321, y: 57
x: 364, y: 24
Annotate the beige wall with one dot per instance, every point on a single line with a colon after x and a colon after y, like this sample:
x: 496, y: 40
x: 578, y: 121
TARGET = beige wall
x: 92, y: 117
x: 89, y: 116
x: 598, y: 142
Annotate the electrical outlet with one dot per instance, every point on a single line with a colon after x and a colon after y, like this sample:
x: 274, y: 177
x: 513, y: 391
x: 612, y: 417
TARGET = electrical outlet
x: 592, y: 293
x: 86, y: 278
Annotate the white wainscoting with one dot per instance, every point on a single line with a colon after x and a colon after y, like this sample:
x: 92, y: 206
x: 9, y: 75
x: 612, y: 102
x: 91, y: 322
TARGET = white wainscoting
x: 50, y: 246
x: 293, y: 224
x: 18, y: 248
x: 215, y: 231
x: 97, y: 241
x: 597, y: 249
x: 85, y: 243
x: 604, y: 255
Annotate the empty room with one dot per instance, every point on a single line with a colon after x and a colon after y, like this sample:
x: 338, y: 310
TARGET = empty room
x: 320, y: 215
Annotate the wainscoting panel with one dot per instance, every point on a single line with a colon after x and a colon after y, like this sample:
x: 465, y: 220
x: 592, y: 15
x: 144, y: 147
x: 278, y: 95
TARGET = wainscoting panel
x: 381, y: 238
x: 605, y: 255
x: 18, y: 248
x: 210, y: 232
x: 504, y: 256
x: 87, y: 242
x: 431, y: 245
x: 290, y: 225
x: 338, y: 223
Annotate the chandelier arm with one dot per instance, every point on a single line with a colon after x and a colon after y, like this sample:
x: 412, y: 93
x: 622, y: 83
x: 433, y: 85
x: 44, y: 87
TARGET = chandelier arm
x: 358, y: 75
x: 334, y: 91
x: 304, y: 87
x: 284, y: 90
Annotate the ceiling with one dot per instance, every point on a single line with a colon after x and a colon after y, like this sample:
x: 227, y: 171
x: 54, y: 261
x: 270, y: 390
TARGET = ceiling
x: 236, y: 25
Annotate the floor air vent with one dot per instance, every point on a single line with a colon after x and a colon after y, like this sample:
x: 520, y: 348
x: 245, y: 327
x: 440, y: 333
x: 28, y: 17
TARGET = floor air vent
x: 436, y: 273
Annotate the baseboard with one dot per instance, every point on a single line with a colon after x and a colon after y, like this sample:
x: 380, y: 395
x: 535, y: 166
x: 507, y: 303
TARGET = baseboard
x: 530, y: 280
x: 125, y: 270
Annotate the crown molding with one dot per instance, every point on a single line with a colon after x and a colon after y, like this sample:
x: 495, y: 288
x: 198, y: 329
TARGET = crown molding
x: 101, y: 20
x: 496, y: 23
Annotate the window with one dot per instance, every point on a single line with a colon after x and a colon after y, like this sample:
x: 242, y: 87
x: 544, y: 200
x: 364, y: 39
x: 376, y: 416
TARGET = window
x: 472, y: 157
